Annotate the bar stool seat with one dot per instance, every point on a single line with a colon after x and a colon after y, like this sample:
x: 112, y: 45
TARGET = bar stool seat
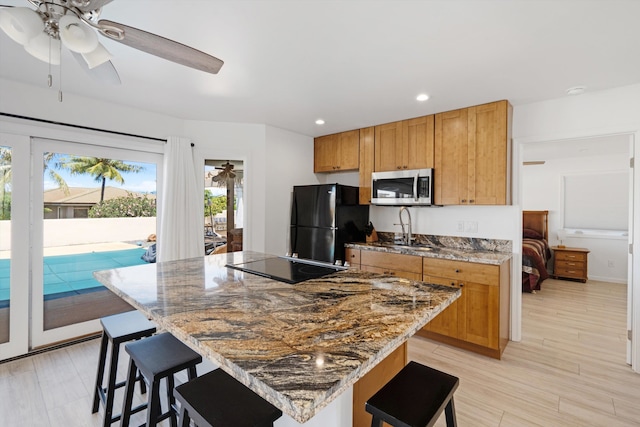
x: 216, y: 399
x: 117, y: 329
x: 415, y: 397
x: 157, y: 357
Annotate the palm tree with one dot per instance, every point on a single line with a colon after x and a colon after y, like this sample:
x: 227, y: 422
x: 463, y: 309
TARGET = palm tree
x: 99, y: 168
x: 6, y: 176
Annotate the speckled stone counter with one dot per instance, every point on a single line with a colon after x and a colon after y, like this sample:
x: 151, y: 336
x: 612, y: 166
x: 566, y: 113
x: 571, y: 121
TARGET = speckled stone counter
x: 298, y: 346
x: 458, y: 254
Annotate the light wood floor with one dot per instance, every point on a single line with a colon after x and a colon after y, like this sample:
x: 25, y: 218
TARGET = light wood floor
x: 569, y: 370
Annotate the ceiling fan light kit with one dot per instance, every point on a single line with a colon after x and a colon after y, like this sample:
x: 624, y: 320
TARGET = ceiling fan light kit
x: 76, y: 35
x: 75, y: 23
x: 21, y: 24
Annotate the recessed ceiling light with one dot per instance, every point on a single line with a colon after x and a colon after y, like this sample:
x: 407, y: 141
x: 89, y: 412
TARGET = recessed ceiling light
x: 422, y: 97
x: 576, y: 90
x: 319, y: 122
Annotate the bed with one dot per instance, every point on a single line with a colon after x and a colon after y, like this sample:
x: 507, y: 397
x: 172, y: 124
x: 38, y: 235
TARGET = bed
x: 535, y: 249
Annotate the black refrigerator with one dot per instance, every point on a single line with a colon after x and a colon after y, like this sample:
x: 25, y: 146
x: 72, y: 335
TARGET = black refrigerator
x: 325, y: 217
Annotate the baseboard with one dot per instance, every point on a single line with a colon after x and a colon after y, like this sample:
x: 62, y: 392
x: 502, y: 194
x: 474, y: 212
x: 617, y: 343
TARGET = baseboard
x: 608, y: 279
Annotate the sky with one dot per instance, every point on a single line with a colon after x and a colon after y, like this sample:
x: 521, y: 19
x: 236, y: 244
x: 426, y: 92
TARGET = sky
x: 142, y: 182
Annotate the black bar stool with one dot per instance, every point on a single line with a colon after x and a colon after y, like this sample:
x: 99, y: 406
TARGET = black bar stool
x: 116, y: 330
x: 216, y: 399
x: 415, y: 397
x: 157, y: 357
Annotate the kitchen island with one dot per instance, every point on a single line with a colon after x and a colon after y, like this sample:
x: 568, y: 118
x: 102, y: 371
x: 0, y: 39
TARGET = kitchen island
x: 302, y: 346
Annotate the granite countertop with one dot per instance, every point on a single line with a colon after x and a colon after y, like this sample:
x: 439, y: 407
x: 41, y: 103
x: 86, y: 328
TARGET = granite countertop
x: 298, y: 346
x: 456, y: 254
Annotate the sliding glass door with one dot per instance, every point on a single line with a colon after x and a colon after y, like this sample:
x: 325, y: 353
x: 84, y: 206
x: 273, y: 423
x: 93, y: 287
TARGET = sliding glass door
x: 93, y: 208
x: 14, y: 241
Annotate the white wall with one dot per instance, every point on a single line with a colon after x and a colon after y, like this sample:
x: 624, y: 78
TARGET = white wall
x: 30, y: 101
x: 289, y: 159
x: 542, y: 190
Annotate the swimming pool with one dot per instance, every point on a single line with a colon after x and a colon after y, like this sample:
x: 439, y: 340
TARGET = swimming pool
x: 66, y: 275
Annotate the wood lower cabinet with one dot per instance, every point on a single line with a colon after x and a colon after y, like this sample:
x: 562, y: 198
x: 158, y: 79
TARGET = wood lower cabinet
x: 407, y: 144
x: 337, y: 153
x: 399, y: 265
x: 472, y: 155
x: 570, y: 263
x: 479, y: 319
x: 373, y: 381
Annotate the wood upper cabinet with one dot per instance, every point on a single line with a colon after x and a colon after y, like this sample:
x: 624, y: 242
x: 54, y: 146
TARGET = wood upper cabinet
x: 367, y: 138
x: 338, y: 152
x: 472, y: 155
x: 407, y: 144
x: 479, y: 318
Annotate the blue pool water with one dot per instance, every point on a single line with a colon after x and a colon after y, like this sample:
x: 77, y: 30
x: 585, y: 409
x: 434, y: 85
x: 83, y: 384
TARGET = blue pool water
x: 67, y: 275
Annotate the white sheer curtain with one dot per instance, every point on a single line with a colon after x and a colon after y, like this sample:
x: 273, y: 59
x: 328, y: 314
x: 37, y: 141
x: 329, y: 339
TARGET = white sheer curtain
x: 181, y: 231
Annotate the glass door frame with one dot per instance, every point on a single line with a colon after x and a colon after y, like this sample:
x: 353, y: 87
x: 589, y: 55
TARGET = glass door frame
x: 19, y: 293
x: 39, y: 336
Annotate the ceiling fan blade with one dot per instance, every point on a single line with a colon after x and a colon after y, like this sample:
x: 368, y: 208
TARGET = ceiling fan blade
x: 162, y: 47
x: 104, y: 72
x: 89, y: 5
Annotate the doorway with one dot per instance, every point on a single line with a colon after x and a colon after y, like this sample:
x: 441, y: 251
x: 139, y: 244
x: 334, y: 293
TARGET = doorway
x: 224, y: 205
x: 548, y: 168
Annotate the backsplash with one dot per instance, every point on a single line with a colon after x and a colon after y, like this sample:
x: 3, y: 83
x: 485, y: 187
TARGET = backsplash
x: 463, y: 243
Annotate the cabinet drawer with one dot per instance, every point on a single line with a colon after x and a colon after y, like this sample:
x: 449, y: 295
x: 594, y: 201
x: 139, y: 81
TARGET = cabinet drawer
x: 570, y: 256
x: 387, y: 261
x: 570, y: 272
x: 393, y: 272
x: 570, y: 265
x: 462, y: 271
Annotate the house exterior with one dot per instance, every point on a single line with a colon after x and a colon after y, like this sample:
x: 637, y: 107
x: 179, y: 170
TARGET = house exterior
x: 77, y: 201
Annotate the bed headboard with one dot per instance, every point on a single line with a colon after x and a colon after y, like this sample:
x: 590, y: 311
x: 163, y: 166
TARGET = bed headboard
x: 538, y: 221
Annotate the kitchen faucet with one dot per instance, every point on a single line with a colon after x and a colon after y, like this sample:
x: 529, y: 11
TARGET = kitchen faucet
x: 406, y: 236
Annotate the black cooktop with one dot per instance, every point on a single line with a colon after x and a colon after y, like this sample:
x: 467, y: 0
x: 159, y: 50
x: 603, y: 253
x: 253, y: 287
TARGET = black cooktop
x: 286, y: 269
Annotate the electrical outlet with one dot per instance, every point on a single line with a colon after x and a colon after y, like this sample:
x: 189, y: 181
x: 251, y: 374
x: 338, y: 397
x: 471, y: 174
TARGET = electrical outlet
x: 471, y: 226
x: 611, y: 264
x: 460, y: 225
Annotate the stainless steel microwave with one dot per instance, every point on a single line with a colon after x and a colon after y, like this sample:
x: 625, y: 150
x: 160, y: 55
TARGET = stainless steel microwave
x: 411, y: 187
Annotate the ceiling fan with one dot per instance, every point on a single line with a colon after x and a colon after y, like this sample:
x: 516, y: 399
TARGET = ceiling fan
x: 75, y: 24
x: 226, y: 173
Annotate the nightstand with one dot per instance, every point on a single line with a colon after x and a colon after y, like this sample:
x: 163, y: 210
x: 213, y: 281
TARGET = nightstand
x: 570, y: 263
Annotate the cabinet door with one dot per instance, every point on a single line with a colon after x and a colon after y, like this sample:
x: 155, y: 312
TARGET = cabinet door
x: 418, y: 145
x: 367, y: 150
x: 352, y: 256
x: 451, y: 176
x: 348, y: 150
x: 446, y: 322
x: 479, y: 313
x: 388, y: 147
x: 489, y: 155
x: 325, y: 149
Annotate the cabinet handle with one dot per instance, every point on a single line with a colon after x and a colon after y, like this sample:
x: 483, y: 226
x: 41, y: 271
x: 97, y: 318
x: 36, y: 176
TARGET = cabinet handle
x: 398, y: 167
x: 471, y: 201
x: 404, y: 167
x: 462, y: 285
x: 457, y: 270
x: 463, y: 201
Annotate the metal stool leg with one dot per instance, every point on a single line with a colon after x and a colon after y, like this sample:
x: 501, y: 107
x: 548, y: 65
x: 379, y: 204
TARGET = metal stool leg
x: 128, y: 397
x: 100, y: 373
x: 450, y: 413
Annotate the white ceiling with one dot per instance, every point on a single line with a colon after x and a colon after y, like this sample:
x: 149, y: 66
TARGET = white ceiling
x: 355, y: 63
